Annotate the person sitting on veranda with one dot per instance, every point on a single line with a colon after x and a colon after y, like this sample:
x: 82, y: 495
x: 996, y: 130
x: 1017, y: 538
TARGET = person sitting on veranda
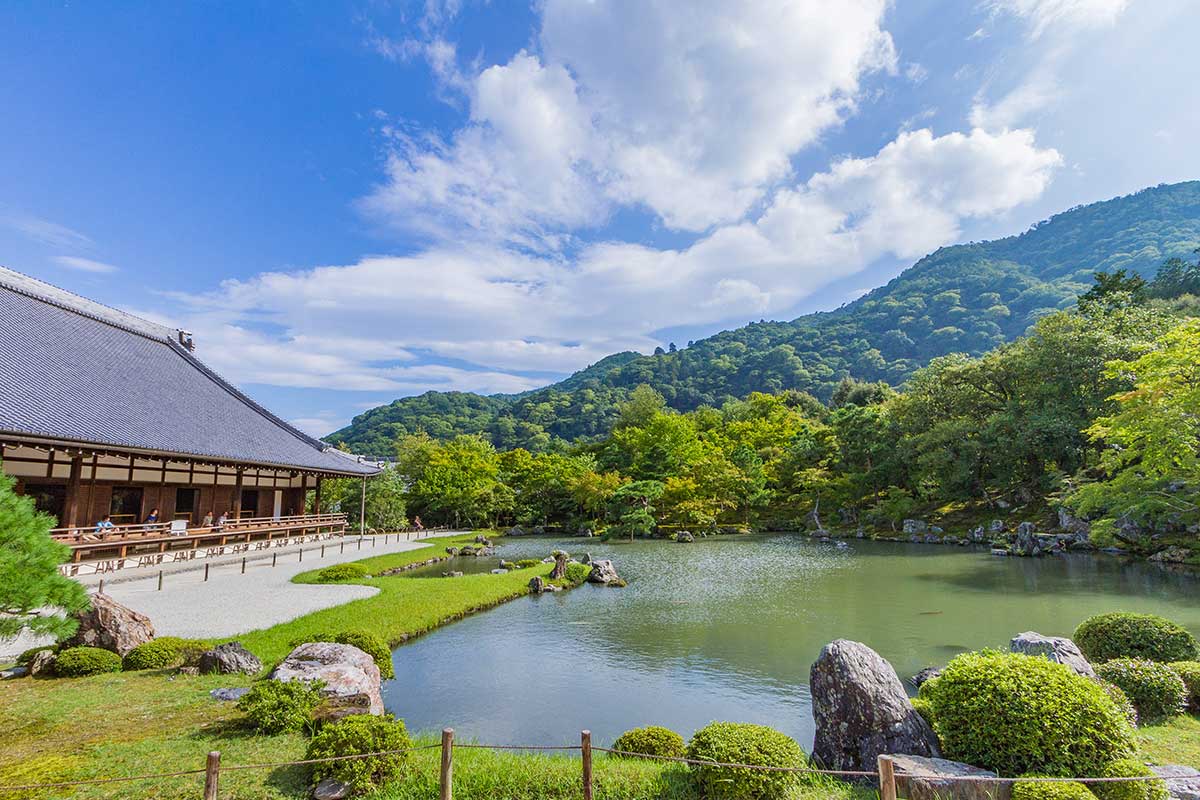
x: 208, y: 520
x: 104, y: 524
x: 152, y: 517
x: 221, y: 520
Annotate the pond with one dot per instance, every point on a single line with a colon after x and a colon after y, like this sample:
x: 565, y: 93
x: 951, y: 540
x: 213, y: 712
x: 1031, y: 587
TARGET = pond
x: 727, y: 628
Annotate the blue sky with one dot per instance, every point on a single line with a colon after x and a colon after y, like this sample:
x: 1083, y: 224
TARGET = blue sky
x: 352, y: 202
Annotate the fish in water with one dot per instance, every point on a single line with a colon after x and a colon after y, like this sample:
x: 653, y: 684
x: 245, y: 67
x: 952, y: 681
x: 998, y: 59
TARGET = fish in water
x: 929, y: 613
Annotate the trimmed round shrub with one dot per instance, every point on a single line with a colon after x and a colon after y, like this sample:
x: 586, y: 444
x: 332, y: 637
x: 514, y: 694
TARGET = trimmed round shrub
x: 1189, y: 673
x: 369, y: 643
x: 1156, y: 690
x: 742, y: 743
x: 163, y: 652
x: 1121, y: 700
x: 923, y: 707
x: 577, y: 573
x: 76, y: 662
x: 27, y: 656
x: 273, y: 706
x: 341, y: 572
x: 362, y: 733
x: 653, y: 740
x: 1124, y: 635
x: 1020, y: 715
x: 1032, y: 790
x: 1128, y: 790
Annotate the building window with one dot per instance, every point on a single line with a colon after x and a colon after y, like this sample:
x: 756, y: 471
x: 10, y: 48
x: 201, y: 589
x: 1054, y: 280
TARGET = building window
x: 49, y: 498
x: 185, y: 503
x: 126, y: 504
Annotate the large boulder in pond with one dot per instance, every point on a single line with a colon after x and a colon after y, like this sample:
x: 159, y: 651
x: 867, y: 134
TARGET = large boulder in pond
x: 603, y: 572
x: 350, y: 677
x: 229, y: 659
x: 861, y: 710
x: 1056, y: 648
x: 920, y: 778
x: 111, y: 626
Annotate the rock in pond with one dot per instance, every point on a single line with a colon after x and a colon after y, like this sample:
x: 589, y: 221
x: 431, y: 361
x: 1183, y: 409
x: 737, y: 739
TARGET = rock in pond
x: 228, y: 659
x: 111, y: 626
x: 1056, y: 648
x: 915, y: 526
x: 921, y: 778
x: 1027, y: 543
x: 685, y: 537
x: 924, y: 676
x: 561, y: 558
x: 351, y: 677
x: 861, y: 709
x: 603, y: 572
x: 1183, y: 783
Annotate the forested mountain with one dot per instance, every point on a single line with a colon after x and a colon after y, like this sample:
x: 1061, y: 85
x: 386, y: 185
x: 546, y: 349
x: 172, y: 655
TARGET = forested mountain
x: 966, y: 298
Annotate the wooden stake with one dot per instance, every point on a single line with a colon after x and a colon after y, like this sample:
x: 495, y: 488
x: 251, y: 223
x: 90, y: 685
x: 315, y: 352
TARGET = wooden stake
x: 274, y: 557
x: 212, y: 775
x: 887, y: 779
x: 243, y: 565
x: 160, y: 574
x: 447, y: 764
x: 585, y: 739
x: 206, y: 571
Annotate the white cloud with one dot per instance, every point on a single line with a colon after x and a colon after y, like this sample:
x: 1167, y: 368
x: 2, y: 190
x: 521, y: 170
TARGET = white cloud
x: 46, y: 232
x: 492, y: 315
x: 1043, y: 15
x: 695, y: 120
x: 84, y: 264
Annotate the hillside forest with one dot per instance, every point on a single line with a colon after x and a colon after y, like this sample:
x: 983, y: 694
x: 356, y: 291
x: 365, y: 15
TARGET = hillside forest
x: 1096, y: 409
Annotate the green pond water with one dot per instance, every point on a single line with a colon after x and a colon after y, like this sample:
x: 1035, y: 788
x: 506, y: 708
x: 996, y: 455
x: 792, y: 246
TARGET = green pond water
x: 727, y: 628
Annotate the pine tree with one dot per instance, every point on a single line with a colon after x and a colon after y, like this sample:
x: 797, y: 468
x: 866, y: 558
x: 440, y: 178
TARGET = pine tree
x: 33, y: 595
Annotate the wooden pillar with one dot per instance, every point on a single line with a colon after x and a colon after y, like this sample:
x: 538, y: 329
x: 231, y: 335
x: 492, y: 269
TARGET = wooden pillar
x: 237, y: 495
x: 92, y: 484
x: 317, y: 497
x: 216, y: 477
x: 71, y: 507
x: 303, y: 494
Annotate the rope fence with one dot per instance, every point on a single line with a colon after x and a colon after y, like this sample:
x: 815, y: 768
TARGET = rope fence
x: 885, y: 773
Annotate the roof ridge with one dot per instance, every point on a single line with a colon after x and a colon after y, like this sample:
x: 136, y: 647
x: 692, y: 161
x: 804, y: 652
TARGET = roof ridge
x: 78, y: 304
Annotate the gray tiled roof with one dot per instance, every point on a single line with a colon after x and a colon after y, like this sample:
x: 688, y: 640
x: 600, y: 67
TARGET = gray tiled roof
x: 75, y: 370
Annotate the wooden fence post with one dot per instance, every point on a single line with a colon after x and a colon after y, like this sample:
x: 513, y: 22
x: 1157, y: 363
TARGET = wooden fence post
x: 887, y: 779
x: 447, y: 764
x: 212, y: 775
x: 585, y: 741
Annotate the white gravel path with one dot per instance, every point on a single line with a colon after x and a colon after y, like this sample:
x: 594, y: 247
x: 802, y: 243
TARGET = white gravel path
x: 230, y: 603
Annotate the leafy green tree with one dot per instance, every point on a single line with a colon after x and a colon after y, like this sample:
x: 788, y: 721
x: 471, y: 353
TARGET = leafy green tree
x: 1117, y: 285
x: 34, y: 596
x: 457, y: 482
x: 632, y: 509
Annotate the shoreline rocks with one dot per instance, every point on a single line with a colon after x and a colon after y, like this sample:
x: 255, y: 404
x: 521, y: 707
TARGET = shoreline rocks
x: 921, y: 778
x: 351, y: 678
x: 1059, y: 649
x: 861, y: 709
x: 604, y: 573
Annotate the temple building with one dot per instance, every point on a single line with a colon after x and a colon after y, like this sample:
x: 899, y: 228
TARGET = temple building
x: 103, y: 413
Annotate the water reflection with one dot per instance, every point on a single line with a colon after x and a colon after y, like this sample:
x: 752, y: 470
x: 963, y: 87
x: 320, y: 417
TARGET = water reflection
x: 727, y: 629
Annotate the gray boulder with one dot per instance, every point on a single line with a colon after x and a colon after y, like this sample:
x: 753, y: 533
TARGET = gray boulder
x: 229, y: 659
x: 1183, y: 783
x: 111, y: 626
x: 516, y: 530
x: 229, y: 695
x: 924, y: 676
x: 1171, y: 555
x: 351, y: 677
x: 603, y: 572
x: 1027, y: 541
x: 13, y: 672
x: 996, y: 526
x: 561, y: 558
x: 915, y: 526
x: 1072, y: 524
x: 685, y: 537
x: 329, y: 789
x: 42, y: 663
x: 1056, y: 648
x: 861, y: 709
x: 920, y: 778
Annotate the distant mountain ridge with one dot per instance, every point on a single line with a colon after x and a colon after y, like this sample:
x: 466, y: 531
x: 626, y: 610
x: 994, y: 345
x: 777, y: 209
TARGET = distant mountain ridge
x: 962, y: 298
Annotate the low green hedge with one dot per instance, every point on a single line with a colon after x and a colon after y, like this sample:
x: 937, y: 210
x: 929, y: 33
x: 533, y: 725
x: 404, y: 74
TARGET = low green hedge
x: 742, y: 743
x: 369, y: 643
x: 272, y: 707
x: 1021, y: 715
x: 356, y: 735
x: 77, y: 662
x: 1121, y: 700
x: 526, y: 563
x: 652, y: 740
x: 163, y: 652
x: 1128, y: 790
x: 1124, y: 635
x: 1156, y: 690
x: 341, y: 572
x: 1189, y: 673
x: 1032, y: 790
